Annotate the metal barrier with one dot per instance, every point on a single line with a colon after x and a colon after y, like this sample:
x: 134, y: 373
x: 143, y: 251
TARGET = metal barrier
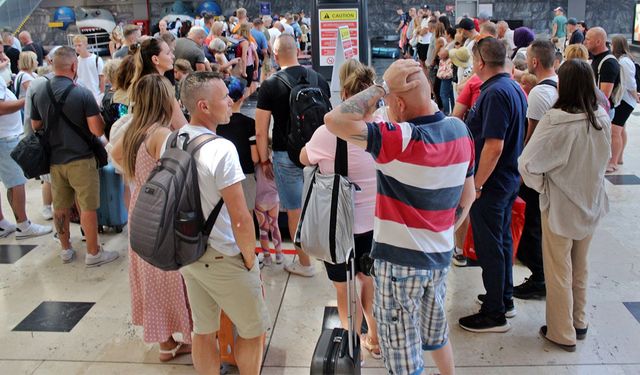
x: 14, y: 13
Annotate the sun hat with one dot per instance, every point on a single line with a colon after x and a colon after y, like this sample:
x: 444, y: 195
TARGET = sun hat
x: 460, y: 57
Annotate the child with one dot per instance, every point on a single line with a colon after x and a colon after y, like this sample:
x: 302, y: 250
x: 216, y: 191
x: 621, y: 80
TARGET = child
x: 267, y: 209
x: 528, y: 81
x: 181, y: 69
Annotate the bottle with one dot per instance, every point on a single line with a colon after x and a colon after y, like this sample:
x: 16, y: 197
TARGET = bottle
x: 188, y: 223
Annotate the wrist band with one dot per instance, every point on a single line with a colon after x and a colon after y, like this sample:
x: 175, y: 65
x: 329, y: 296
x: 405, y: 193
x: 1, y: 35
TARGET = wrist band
x: 384, y: 87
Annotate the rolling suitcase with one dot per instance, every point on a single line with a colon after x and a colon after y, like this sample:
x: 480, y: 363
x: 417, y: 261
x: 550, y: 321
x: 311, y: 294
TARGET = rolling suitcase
x: 112, y: 212
x: 338, y: 349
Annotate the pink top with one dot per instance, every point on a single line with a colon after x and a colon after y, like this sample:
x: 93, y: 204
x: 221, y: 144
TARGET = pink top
x: 321, y: 150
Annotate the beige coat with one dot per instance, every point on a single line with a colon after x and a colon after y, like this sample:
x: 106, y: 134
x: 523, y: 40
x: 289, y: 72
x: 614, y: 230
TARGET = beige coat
x: 565, y: 161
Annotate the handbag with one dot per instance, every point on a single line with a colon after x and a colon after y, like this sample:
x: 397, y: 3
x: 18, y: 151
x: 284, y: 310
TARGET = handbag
x: 445, y: 69
x: 99, y: 152
x: 327, y: 196
x: 32, y: 153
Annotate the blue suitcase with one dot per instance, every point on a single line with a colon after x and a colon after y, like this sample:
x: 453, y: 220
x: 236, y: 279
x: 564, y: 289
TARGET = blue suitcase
x: 112, y: 212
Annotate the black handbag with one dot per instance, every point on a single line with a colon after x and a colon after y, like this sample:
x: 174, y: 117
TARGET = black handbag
x: 32, y: 152
x: 100, y: 153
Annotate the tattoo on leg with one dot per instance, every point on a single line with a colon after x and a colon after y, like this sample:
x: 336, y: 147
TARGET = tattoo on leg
x: 59, y: 224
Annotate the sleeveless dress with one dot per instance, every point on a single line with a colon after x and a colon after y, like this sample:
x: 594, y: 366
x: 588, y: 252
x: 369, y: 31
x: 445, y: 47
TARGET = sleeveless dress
x: 158, y: 298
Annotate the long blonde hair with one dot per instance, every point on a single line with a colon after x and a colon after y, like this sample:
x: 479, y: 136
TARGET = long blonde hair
x: 153, y: 96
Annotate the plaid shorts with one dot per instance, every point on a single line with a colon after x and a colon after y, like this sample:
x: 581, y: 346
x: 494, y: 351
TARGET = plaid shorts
x: 409, y: 309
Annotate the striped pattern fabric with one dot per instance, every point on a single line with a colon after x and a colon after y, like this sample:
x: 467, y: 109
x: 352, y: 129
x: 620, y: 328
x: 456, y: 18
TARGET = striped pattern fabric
x: 421, y: 168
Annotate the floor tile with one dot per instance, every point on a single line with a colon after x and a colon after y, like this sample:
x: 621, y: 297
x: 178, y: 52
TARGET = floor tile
x: 10, y: 254
x: 623, y: 179
x: 634, y: 308
x: 54, y: 316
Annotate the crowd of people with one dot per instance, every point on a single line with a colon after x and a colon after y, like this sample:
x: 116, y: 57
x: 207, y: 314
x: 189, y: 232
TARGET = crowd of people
x: 459, y: 128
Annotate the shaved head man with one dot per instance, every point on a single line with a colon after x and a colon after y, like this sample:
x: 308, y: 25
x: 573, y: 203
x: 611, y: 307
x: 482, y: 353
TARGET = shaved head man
x: 29, y: 45
x: 414, y: 249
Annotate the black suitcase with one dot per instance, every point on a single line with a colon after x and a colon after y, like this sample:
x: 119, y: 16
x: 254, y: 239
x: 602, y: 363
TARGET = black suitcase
x: 338, y: 349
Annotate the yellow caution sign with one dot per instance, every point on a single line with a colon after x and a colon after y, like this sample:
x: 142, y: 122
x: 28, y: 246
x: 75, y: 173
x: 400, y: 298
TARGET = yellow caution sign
x: 56, y: 24
x: 339, y: 15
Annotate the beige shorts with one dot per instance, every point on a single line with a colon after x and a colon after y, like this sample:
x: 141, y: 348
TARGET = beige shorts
x: 79, y: 180
x: 219, y: 282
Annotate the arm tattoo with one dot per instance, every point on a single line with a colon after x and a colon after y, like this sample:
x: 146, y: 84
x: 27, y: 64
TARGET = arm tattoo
x: 363, y: 136
x: 362, y: 102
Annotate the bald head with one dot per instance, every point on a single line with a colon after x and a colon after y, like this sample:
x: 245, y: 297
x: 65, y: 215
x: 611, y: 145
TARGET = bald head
x: 25, y: 37
x: 413, y: 103
x: 286, y: 48
x: 596, y: 40
x: 503, y: 26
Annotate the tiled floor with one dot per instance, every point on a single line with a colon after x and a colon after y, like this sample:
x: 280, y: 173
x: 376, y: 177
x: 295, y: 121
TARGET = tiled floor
x: 104, y: 342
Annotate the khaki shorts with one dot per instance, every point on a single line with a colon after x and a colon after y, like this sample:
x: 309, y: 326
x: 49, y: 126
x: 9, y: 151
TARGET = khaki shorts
x: 217, y: 281
x: 79, y: 180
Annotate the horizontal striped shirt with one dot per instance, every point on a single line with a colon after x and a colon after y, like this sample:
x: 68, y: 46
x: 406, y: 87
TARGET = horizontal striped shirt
x: 421, y: 168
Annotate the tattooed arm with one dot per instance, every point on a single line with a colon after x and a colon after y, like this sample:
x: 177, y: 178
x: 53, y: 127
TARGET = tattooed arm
x: 347, y: 120
x: 466, y: 200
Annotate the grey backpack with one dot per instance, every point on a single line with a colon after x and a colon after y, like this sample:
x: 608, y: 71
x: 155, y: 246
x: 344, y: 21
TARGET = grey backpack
x: 167, y: 227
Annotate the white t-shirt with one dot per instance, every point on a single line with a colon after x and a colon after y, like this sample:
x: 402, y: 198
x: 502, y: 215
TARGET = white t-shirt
x: 22, y: 78
x: 541, y: 99
x: 426, y: 38
x: 11, y: 123
x: 273, y: 35
x: 89, y: 74
x: 628, y: 79
x: 218, y: 168
x: 199, y: 22
x: 288, y: 29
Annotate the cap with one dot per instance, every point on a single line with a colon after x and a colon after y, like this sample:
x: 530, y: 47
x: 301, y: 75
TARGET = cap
x: 484, y: 16
x: 425, y: 7
x: 460, y: 57
x: 559, y: 9
x: 466, y: 24
x: 572, y: 21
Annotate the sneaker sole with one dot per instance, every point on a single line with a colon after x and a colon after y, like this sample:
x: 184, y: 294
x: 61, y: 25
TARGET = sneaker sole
x: 496, y: 329
x: 534, y: 296
x: 508, y: 314
x: 101, y: 262
x: 5, y: 234
x: 24, y: 237
x: 299, y: 274
x: 67, y: 261
x: 459, y: 264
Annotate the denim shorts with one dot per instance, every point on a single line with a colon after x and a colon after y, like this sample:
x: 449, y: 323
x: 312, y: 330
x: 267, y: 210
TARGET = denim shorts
x: 409, y: 306
x: 10, y: 172
x: 289, y: 181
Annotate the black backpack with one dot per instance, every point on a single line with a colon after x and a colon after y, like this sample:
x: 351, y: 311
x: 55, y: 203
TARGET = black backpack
x: 307, y: 104
x: 637, y: 75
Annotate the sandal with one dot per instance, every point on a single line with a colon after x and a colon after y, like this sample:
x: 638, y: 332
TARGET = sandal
x: 373, y: 349
x: 176, y: 351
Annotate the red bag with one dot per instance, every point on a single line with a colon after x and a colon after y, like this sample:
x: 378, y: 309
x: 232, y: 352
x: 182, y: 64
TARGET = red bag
x: 517, y: 223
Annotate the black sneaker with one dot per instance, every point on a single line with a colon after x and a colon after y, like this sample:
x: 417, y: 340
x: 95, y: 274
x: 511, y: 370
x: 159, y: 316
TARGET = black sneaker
x: 530, y: 289
x: 482, y: 322
x: 510, y: 307
x: 581, y: 333
x: 543, y: 333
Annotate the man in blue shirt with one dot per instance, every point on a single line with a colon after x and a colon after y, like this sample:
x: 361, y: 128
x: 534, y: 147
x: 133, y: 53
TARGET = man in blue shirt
x: 263, y: 45
x: 497, y: 122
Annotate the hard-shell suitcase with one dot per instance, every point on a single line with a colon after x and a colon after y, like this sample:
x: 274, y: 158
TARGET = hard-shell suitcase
x: 112, y: 212
x: 338, y: 349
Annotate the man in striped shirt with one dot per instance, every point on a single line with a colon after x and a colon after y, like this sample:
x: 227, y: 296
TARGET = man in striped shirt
x: 425, y: 164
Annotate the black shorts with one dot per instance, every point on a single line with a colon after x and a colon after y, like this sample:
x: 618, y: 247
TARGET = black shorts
x: 623, y: 111
x: 249, y: 72
x: 423, y: 49
x: 338, y: 272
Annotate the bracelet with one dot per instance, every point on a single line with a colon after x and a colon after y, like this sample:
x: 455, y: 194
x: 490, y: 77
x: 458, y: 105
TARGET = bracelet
x: 478, y: 189
x: 384, y: 87
x: 266, y: 162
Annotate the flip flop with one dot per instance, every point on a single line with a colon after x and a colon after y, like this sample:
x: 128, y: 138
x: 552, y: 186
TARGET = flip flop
x: 373, y: 349
x: 186, y: 349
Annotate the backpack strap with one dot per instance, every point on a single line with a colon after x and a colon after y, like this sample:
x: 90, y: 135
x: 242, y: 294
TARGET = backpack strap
x: 19, y: 85
x: 193, y: 147
x: 340, y: 165
x: 283, y: 77
x: 607, y: 57
x: 59, y: 112
x: 548, y: 82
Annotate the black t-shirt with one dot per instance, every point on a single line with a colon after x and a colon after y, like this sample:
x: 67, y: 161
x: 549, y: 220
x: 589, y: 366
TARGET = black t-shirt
x: 576, y: 37
x: 274, y: 96
x: 39, y: 51
x: 241, y: 131
x: 14, y: 55
x: 609, y: 72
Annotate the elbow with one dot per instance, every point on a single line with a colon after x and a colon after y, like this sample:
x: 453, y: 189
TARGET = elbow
x: 330, y: 122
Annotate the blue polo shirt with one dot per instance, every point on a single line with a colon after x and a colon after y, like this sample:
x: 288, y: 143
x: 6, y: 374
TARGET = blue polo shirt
x: 261, y: 40
x: 500, y: 113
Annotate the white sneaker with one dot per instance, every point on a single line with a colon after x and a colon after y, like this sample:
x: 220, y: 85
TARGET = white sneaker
x: 6, y: 230
x: 267, y: 260
x: 34, y: 230
x: 279, y: 258
x: 67, y: 255
x: 47, y: 213
x: 299, y: 269
x: 103, y: 257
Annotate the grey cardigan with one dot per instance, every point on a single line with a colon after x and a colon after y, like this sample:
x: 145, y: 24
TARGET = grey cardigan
x: 565, y: 161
